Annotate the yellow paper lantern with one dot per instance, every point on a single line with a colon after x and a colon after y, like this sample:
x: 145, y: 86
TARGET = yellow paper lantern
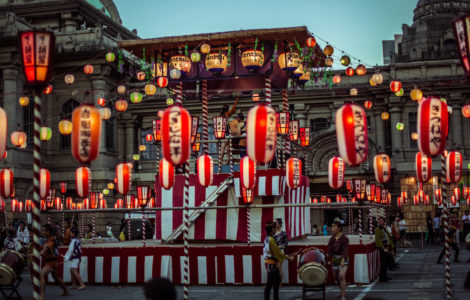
x: 24, y: 101
x: 345, y: 60
x: 252, y: 59
x: 372, y: 82
x: 414, y: 136
x: 416, y: 94
x: 378, y: 78
x: 121, y: 105
x: 353, y: 92
x: 111, y: 186
x: 136, y: 157
x: 328, y: 50
x: 180, y: 62
x: 65, y: 127
x: 385, y: 115
x: 69, y: 79
x: 150, y: 89
x: 18, y: 138
x: 105, y: 113
x: 45, y: 133
x: 141, y: 75
x: 205, y: 48
x: 216, y: 62
x: 121, y: 89
x: 142, y: 148
x: 289, y: 61
x: 329, y: 61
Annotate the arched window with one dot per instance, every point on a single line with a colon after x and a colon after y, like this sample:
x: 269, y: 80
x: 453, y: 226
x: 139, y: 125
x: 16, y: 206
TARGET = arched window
x: 66, y: 112
x: 319, y: 124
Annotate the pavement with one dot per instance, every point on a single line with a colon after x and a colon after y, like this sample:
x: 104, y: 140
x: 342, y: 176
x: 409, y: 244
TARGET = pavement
x: 417, y: 278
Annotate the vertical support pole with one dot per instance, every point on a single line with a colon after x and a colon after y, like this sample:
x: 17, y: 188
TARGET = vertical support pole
x: 219, y: 145
x: 158, y: 157
x: 179, y: 92
x: 205, y: 118
x: 143, y: 227
x: 445, y: 215
x: 185, y: 232
x: 285, y: 108
x: 350, y: 213
x: 94, y: 226
x: 36, y: 199
x: 359, y: 214
x: 267, y: 89
x: 63, y: 215
x: 370, y: 221
x: 230, y: 155
x: 248, y: 225
x: 129, y: 225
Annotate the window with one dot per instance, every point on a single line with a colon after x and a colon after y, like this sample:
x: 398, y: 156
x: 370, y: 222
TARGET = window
x: 412, y: 121
x: 319, y: 124
x: 109, y: 130
x: 66, y: 112
x: 151, y: 152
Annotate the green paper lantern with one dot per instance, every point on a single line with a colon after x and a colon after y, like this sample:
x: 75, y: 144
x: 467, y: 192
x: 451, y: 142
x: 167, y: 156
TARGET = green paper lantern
x: 169, y: 101
x: 345, y: 60
x: 136, y: 97
x: 45, y: 133
x: 400, y: 126
x: 136, y: 157
x: 400, y: 92
x: 110, y: 57
x: 468, y: 166
x: 195, y: 57
x: 105, y: 192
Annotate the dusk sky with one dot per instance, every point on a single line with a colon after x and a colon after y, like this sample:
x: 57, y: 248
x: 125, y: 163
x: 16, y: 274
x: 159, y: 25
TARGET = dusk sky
x: 355, y: 26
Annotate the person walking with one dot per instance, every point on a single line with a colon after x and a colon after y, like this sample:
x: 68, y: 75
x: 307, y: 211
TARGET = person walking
x: 437, y: 228
x: 429, y: 225
x: 384, y: 243
x: 74, y: 256
x: 466, y: 224
x: 337, y: 251
x: 453, y: 244
x: 273, y: 258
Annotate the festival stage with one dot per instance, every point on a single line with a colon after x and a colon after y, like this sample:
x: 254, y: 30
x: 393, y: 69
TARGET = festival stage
x: 209, y: 264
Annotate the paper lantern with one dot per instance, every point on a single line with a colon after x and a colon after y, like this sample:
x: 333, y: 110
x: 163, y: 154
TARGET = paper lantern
x: 432, y: 126
x: 63, y: 187
x: 293, y: 130
x: 360, y: 186
x: 377, y: 78
x: 298, y: 72
x: 136, y: 97
x: 121, y: 89
x: 289, y: 61
x: 353, y: 92
x: 119, y: 203
x: 157, y: 130
x: 465, y: 192
x: 205, y: 172
x: 345, y: 60
x: 169, y: 101
x: 252, y: 59
x: 196, y: 145
x: 454, y: 163
x: 86, y: 133
x: 166, y: 174
x: 111, y: 185
x: 105, y: 113
x: 3, y: 132
x: 349, y: 71
x: 43, y: 206
x: 20, y: 206
x: 65, y: 127
x: 416, y: 94
x: 456, y: 193
x: 136, y: 157
x: 423, y: 166
x: 370, y: 191
x: 85, y: 204
x: 400, y: 126
x: 337, y: 79
x: 311, y: 42
x: 143, y: 195
x: 37, y: 50
x: 304, y: 133
x: 328, y: 50
x: 195, y: 57
x: 140, y: 75
x: 47, y: 90
x: 174, y: 74
x: 194, y: 126
x: 162, y: 82
x: 121, y: 105
x: 400, y: 93
x: 453, y: 201
x: 336, y: 172
x: 367, y: 104
x: 293, y: 172
x: 181, y: 63
x: 205, y: 48
x: 216, y: 62
x: 382, y: 168
x: 88, y: 69
x: 220, y: 125
x: 110, y: 57
x: 28, y: 205
x: 247, y: 195
x: 45, y: 133
x: 69, y: 79
x: 329, y: 61
x: 44, y: 183
x: 361, y: 70
x: 399, y: 202
x: 6, y: 182
x: 149, y: 137
x: 339, y: 198
x: 24, y: 101
x: 414, y: 136
x: 123, y: 178
x: 103, y: 204
x: 247, y: 173
x: 82, y: 181
x: 466, y: 111
x: 58, y: 203
x: 18, y: 138
x: 13, y: 205
x: 101, y: 101
x: 69, y: 203
x: 385, y: 115
x: 282, y: 122
x: 461, y: 31
x: 142, y: 148
x: 395, y: 86
x: 150, y: 89
x: 351, y: 134
x: 372, y: 82
x: 261, y: 133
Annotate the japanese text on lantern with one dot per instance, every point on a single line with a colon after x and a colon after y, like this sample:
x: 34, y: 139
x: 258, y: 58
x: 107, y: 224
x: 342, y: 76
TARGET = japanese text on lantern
x: 340, y: 171
x: 27, y: 49
x: 296, y: 171
x: 459, y: 26
x: 359, y: 130
x: 435, y: 128
x: 270, y: 131
x: 175, y: 133
x: 41, y: 44
x: 85, y: 132
x: 385, y: 163
x: 458, y: 163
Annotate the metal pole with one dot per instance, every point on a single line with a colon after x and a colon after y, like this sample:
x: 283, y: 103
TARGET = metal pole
x: 36, y: 199
x: 185, y: 232
x: 445, y: 216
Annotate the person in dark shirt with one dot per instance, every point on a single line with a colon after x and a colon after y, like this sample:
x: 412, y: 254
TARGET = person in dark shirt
x: 429, y: 225
x: 384, y: 243
x: 159, y: 289
x: 337, y: 251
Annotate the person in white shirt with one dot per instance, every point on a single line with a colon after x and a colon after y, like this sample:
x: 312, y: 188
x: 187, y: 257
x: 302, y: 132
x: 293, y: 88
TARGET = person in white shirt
x: 22, y: 236
x: 74, y: 255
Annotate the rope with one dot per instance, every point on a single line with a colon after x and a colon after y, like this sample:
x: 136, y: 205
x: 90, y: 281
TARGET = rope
x: 248, y: 224
x: 370, y: 221
x: 36, y: 199
x: 179, y: 93
x: 285, y: 108
x: 359, y: 215
x: 129, y: 226
x: 143, y: 228
x: 445, y: 216
x: 219, y: 144
x: 94, y: 227
x: 205, y: 117
x: 185, y: 232
x: 267, y: 87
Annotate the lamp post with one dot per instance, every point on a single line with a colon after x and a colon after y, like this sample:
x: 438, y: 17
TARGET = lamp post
x: 143, y: 195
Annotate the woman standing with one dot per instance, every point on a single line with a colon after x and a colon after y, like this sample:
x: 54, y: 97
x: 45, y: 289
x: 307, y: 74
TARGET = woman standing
x: 281, y: 240
x: 337, y: 251
x: 74, y: 255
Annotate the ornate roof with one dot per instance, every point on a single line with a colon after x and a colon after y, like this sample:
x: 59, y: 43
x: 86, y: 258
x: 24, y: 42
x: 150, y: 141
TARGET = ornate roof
x: 430, y: 8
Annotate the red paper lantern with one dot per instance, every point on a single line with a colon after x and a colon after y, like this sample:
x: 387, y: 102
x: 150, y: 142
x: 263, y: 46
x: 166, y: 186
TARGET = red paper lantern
x: 103, y: 204
x: 465, y: 192
x: 377, y: 193
x: 44, y: 183
x: 205, y: 172
x: 6, y: 182
x: 88, y: 69
x: 162, y: 82
x: 28, y: 205
x: 220, y: 124
x: 176, y: 135
x: 119, y: 203
x: 194, y: 126
x: 421, y: 196
x: 311, y: 42
x: 157, y: 130
x: 149, y: 137
x: 166, y: 174
x: 101, y: 101
x: 339, y: 198
x: 261, y: 133
x: 282, y: 122
x: 399, y: 202
x: 370, y: 191
x: 454, y: 163
x: 43, y: 206
x: 85, y: 204
x: 432, y: 126
x: 423, y: 166
x: 143, y: 195
x: 63, y: 187
x: 247, y: 195
x: 82, y: 181
x: 3, y: 133
x: 360, y: 187
x: 293, y: 172
x: 69, y: 203
x: 294, y: 130
x: 123, y: 178
x: 466, y: 111
x: 453, y: 201
x: 58, y: 203
x: 20, y: 206
x: 457, y: 193
x: 14, y: 205
x: 438, y: 196
x: 349, y: 71
x: 304, y: 136
x: 367, y: 104
x: 247, y: 173
x: 86, y: 133
x: 382, y: 168
x: 361, y: 70
x: 336, y: 172
x: 337, y: 79
x: 415, y: 200
x: 395, y: 86
x: 351, y: 134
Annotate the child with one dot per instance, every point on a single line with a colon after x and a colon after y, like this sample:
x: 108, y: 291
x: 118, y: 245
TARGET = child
x: 74, y: 255
x: 109, y: 231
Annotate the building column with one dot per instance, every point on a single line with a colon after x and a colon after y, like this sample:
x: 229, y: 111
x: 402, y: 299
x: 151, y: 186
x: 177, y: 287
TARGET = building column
x: 379, y: 131
x: 456, y: 122
x: 12, y: 108
x: 397, y: 136
x: 129, y: 141
x: 99, y: 90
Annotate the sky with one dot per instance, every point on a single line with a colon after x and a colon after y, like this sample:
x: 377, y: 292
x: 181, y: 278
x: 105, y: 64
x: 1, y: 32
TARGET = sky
x: 356, y: 27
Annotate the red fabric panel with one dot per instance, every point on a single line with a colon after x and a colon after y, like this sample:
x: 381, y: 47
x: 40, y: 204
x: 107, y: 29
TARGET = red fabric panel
x: 123, y: 268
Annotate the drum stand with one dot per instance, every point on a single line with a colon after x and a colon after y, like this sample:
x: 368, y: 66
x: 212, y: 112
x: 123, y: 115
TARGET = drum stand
x: 307, y: 288
x: 13, y: 288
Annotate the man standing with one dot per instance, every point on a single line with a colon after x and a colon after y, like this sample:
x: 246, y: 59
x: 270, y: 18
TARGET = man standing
x: 437, y: 228
x: 383, y: 242
x: 466, y: 223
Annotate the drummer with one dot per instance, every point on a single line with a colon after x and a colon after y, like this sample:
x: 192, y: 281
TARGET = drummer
x: 337, y: 251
